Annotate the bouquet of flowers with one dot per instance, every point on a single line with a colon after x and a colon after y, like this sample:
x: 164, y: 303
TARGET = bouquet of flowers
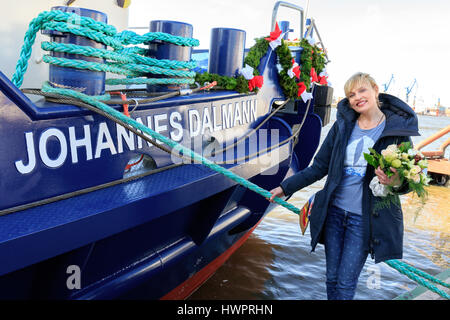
x: 410, y: 164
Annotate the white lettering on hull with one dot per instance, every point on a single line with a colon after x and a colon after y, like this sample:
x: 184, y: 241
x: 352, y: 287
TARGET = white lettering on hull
x: 199, y: 121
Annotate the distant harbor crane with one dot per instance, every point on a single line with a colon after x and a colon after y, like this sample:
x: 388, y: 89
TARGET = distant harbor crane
x: 387, y: 85
x: 409, y: 89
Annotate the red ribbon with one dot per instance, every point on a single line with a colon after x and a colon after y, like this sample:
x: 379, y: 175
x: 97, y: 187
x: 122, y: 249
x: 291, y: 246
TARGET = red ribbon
x: 313, y: 75
x: 301, y: 88
x: 296, y: 69
x: 323, y: 80
x: 274, y: 34
x: 256, y: 81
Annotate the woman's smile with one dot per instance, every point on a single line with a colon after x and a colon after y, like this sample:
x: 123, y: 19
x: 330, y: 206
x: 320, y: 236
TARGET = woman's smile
x: 361, y: 103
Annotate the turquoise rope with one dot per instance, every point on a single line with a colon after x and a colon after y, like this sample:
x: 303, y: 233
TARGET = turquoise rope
x: 174, y: 145
x: 414, y: 274
x: 126, y: 57
x: 133, y: 70
x: 84, y: 32
x: 130, y: 37
x: 424, y: 274
x: 37, y: 24
x: 77, y: 20
x: 125, y: 60
x: 149, y: 81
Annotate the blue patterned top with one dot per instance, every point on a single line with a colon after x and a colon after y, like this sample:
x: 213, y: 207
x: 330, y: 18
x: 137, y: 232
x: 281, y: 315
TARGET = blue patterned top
x: 348, y: 195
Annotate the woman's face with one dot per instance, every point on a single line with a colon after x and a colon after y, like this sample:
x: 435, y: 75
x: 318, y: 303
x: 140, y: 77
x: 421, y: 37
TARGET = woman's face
x: 363, y: 97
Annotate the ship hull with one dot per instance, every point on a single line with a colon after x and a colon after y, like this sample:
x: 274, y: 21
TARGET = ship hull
x: 167, y: 255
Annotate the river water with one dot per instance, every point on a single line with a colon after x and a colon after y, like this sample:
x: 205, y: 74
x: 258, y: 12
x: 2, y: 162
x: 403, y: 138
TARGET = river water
x: 276, y: 263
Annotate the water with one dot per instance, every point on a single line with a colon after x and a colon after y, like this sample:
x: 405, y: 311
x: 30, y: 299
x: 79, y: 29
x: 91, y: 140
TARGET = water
x: 276, y: 263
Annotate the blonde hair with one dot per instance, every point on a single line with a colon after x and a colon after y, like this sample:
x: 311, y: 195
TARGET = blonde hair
x: 357, y: 79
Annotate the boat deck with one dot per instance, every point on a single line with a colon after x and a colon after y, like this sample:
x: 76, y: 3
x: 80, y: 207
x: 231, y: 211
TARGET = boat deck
x: 439, y: 166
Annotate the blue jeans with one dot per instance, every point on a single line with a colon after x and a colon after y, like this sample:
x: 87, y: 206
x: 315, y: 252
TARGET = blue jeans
x: 344, y: 251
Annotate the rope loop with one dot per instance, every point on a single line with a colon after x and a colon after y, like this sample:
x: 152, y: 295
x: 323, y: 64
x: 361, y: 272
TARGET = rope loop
x: 129, y: 61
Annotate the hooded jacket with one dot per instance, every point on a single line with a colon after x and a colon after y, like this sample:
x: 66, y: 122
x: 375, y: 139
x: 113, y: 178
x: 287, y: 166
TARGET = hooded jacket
x: 383, y: 227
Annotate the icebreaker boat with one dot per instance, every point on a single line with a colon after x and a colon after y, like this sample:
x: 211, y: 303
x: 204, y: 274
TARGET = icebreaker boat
x: 91, y: 210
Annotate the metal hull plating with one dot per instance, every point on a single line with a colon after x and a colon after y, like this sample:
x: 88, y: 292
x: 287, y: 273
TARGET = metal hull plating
x: 140, y: 249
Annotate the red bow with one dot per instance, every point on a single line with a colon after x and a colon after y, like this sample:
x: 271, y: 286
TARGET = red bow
x: 301, y: 88
x: 296, y: 69
x: 274, y: 34
x: 256, y: 81
x: 313, y: 75
x: 323, y: 80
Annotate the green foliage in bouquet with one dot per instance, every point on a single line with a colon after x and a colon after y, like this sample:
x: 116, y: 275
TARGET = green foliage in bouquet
x: 410, y: 164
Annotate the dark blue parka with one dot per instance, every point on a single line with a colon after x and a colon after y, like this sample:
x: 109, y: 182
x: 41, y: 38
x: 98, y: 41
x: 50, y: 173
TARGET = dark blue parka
x: 383, y: 227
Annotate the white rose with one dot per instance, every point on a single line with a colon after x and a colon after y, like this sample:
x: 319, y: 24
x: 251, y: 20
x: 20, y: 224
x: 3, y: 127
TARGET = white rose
x: 415, y: 170
x: 386, y: 152
x: 392, y: 148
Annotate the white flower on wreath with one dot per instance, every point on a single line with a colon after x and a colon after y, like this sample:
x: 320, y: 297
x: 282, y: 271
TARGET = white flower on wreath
x: 291, y: 72
x: 247, y: 72
x: 323, y: 73
x: 279, y: 67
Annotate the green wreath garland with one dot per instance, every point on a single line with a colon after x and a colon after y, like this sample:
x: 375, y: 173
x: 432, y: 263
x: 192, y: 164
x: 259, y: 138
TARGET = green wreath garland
x: 312, y: 56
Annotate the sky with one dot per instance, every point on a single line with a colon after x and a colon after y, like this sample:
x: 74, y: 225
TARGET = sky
x: 408, y: 39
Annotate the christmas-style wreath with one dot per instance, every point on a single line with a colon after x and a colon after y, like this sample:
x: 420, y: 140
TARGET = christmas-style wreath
x: 294, y: 79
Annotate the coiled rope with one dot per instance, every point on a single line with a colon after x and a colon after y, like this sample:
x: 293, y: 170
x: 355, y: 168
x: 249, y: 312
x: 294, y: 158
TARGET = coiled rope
x: 128, y: 61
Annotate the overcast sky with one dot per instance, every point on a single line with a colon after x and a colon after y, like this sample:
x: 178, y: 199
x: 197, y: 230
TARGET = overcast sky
x: 406, y: 38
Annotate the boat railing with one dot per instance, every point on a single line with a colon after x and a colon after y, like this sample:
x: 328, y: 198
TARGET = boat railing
x: 311, y: 27
x: 291, y: 6
x: 439, y: 153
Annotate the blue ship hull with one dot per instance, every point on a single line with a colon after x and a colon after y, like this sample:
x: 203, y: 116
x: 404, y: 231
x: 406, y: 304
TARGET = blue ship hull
x: 69, y: 206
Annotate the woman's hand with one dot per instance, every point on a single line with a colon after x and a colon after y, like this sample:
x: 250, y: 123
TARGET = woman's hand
x: 277, y: 192
x: 384, y: 179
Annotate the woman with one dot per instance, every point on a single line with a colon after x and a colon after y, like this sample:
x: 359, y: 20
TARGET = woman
x: 343, y: 217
